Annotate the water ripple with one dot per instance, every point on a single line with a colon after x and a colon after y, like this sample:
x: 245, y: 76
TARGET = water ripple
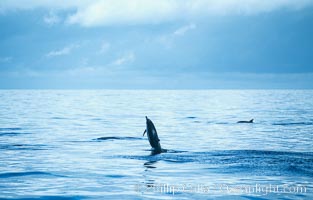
x: 120, y: 138
x: 10, y: 129
x: 12, y: 133
x: 23, y: 147
x: 243, y: 161
x: 47, y: 198
x: 294, y: 124
x: 32, y: 173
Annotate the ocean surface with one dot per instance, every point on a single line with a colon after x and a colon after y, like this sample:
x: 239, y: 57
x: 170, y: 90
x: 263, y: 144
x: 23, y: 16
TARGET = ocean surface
x: 88, y: 144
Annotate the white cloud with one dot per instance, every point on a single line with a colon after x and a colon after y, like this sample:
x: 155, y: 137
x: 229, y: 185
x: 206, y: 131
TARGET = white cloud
x: 51, y: 19
x: 127, y: 58
x: 7, y: 5
x: 167, y: 40
x: 114, y: 12
x: 64, y: 51
x: 182, y: 30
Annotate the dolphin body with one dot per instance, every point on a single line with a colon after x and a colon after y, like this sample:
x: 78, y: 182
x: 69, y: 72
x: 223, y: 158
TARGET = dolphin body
x: 153, y: 136
x: 247, y: 122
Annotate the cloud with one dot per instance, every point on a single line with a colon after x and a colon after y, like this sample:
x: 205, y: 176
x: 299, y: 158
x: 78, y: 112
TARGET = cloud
x: 127, y: 58
x: 133, y: 12
x: 116, y: 12
x: 168, y: 40
x: 64, y: 51
x: 112, y: 12
x: 182, y: 30
x: 8, y: 5
x: 51, y: 19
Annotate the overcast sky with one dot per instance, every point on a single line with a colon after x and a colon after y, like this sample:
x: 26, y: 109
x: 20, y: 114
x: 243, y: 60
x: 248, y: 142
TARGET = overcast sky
x: 156, y: 44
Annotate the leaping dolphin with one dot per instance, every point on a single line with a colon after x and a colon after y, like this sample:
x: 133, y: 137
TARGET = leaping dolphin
x: 153, y: 136
x: 250, y: 121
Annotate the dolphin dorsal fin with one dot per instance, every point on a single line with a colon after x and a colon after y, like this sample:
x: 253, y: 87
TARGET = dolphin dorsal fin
x: 251, y: 120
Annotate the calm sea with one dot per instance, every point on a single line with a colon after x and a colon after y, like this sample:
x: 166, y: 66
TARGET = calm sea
x: 50, y: 146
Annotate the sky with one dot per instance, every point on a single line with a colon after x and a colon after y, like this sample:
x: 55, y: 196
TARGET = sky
x: 156, y: 44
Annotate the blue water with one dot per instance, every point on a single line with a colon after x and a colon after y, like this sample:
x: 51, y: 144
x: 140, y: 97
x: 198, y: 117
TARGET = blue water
x: 88, y: 144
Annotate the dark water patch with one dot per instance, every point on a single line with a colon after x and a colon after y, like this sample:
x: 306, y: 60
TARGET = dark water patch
x: 271, y: 163
x: 10, y: 129
x: 153, y: 153
x: 177, y: 160
x: 252, y: 198
x: 299, y: 170
x: 214, y: 122
x: 23, y: 147
x: 274, y: 152
x: 58, y: 118
x: 150, y: 164
x: 300, y: 195
x: 12, y: 133
x: 114, y: 176
x: 191, y: 117
x: 47, y: 198
x: 256, y: 162
x: 16, y: 174
x: 220, y: 123
x: 77, y: 141
x: 294, y: 124
x: 174, y: 151
x: 119, y: 138
x: 96, y: 119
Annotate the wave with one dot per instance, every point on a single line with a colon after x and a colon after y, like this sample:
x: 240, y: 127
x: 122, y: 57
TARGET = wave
x: 115, y: 176
x: 32, y: 173
x: 11, y: 133
x: 22, y: 147
x: 10, y: 129
x: 119, y: 138
x: 257, y: 162
x: 58, y: 118
x: 47, y: 198
x: 97, y: 119
x: 294, y: 124
x: 220, y: 123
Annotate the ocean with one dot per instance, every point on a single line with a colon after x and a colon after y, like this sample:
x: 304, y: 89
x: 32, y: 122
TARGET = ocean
x: 89, y: 144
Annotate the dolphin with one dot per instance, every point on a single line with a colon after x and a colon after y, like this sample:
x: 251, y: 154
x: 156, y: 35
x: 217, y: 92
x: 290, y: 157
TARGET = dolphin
x: 153, y: 136
x: 251, y: 121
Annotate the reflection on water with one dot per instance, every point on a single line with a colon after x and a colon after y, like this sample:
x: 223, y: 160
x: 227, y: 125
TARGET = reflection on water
x: 89, y: 144
x: 150, y: 164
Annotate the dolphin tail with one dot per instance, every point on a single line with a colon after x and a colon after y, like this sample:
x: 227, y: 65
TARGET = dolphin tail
x: 144, y: 132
